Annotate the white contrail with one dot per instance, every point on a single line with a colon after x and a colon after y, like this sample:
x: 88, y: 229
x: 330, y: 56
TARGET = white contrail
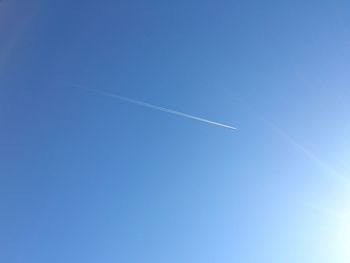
x: 155, y: 107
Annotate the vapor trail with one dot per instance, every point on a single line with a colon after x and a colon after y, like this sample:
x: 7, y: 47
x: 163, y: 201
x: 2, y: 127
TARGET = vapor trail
x: 155, y: 107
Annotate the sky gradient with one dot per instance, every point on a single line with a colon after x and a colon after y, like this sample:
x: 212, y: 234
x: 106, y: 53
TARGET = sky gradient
x: 88, y: 178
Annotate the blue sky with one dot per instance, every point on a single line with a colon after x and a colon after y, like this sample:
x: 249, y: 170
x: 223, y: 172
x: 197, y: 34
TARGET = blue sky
x: 88, y: 178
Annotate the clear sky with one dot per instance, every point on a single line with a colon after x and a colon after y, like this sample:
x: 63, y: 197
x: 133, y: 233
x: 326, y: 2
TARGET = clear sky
x: 85, y: 177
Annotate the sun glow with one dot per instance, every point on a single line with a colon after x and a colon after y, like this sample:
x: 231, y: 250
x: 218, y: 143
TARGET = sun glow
x: 335, y: 244
x: 341, y: 239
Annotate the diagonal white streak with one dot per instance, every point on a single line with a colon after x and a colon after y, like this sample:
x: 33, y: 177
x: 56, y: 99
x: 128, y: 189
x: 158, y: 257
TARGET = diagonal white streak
x: 155, y: 107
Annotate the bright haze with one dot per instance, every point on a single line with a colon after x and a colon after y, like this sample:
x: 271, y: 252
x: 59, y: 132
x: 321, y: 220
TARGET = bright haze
x: 88, y: 178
